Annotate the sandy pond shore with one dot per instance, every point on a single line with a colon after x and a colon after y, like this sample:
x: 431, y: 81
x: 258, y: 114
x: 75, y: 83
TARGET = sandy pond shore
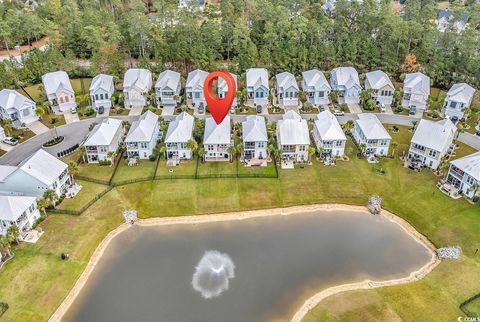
x: 308, y: 304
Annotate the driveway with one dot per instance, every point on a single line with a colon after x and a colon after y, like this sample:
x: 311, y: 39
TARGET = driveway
x: 5, y: 146
x: 354, y: 108
x: 136, y: 110
x: 168, y: 110
x: 70, y: 117
x: 38, y: 127
x: 106, y: 112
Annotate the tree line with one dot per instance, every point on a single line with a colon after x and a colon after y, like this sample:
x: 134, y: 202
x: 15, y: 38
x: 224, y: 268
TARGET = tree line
x: 92, y: 36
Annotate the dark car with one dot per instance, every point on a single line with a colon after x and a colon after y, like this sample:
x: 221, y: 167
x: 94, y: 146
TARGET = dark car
x: 101, y: 110
x: 454, y: 119
x: 478, y: 132
x: 259, y: 109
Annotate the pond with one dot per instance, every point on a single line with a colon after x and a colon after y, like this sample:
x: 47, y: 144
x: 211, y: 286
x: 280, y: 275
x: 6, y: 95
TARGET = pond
x: 255, y: 269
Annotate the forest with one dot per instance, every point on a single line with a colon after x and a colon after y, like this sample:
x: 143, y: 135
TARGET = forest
x: 92, y: 36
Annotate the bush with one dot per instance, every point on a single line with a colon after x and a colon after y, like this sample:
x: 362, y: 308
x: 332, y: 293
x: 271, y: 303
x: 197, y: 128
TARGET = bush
x: 152, y: 157
x: 105, y: 162
x: 54, y: 120
x: 89, y: 111
x: 92, y: 126
x: 53, y: 142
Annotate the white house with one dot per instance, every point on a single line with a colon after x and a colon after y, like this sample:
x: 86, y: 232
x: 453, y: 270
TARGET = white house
x: 416, y: 89
x: 369, y: 131
x: 136, y: 85
x: 446, y: 18
x: 20, y: 211
x: 217, y: 139
x: 192, y: 5
x: 255, y: 138
x: 292, y: 137
x: 458, y: 99
x: 286, y: 88
x: 59, y: 91
x: 257, y: 86
x: 17, y: 108
x: 101, y: 91
x: 328, y: 134
x: 179, y: 132
x: 431, y: 142
x: 464, y: 174
x: 316, y: 86
x: 104, y: 138
x: 143, y: 136
x: 35, y: 175
x: 167, y: 88
x: 345, y: 81
x: 223, y: 89
x: 381, y: 87
x: 194, y: 87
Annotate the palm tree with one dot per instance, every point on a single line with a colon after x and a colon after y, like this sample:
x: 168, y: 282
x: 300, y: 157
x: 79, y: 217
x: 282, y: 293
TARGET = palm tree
x: 162, y: 151
x: 83, y: 151
x: 475, y: 188
x: 414, y: 123
x: 5, y: 244
x: 333, y: 96
x: 349, y: 125
x: 7, y: 126
x: 363, y: 147
x: 111, y: 155
x: 239, y: 149
x: 201, y: 153
x: 43, y: 204
x: 231, y: 151
x: 40, y: 111
x: 394, y: 146
x: 192, y: 145
x: 311, y: 151
x: 73, y: 170
x: 320, y: 151
x: 14, y: 233
x: 51, y: 196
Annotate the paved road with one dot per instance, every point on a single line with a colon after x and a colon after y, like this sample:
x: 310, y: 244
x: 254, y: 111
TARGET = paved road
x: 75, y: 133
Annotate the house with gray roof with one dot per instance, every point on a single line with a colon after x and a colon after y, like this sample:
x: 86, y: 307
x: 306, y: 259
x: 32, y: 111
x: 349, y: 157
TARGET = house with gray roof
x: 222, y: 89
x: 416, y: 90
x: 286, y: 89
x: 20, y: 211
x: 59, y: 90
x: 345, y: 81
x: 17, y: 108
x: 380, y: 86
x: 316, y: 86
x: 328, y: 134
x: 258, y: 88
x: 370, y: 134
x: 101, y: 91
x: 431, y: 142
x: 137, y: 83
x: 194, y: 87
x: 179, y: 132
x: 168, y: 88
x: 446, y: 18
x: 143, y: 136
x: 255, y: 138
x: 293, y: 138
x: 458, y: 99
x: 464, y: 175
x: 103, y: 140
x: 217, y: 139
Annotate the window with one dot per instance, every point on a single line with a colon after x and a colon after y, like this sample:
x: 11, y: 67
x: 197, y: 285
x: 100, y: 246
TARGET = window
x: 321, y: 94
x: 311, y: 94
x: 144, y: 145
x: 106, y: 96
x: 196, y: 95
x: 67, y: 99
x: 295, y: 94
x: 302, y: 148
x: 101, y: 96
x: 96, y: 96
x: 432, y: 153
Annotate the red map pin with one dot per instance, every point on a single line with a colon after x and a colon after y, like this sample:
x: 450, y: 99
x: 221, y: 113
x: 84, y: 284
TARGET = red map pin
x: 219, y: 107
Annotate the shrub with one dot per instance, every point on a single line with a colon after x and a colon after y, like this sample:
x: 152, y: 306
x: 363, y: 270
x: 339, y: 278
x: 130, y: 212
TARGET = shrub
x: 89, y: 111
x: 152, y: 157
x: 105, y: 162
x: 54, y: 120
x: 92, y: 126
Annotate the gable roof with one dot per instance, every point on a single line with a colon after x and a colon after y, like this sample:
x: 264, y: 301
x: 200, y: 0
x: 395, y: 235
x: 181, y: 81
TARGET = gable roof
x: 44, y: 167
x: 102, y: 81
x: 346, y: 76
x: 378, y: 79
x: 315, y: 78
x: 257, y: 77
x: 217, y: 134
x: 12, y: 207
x: 328, y: 127
x: 293, y: 129
x: 469, y: 164
x: 10, y: 99
x: 448, y: 15
x: 103, y: 133
x: 222, y: 84
x: 462, y: 93
x: 138, y: 77
x: 434, y: 135
x: 168, y: 78
x: 5, y: 171
x: 372, y: 127
x: 143, y: 129
x: 417, y: 82
x: 196, y: 78
x: 254, y: 129
x: 56, y: 81
x: 181, y: 129
x: 286, y: 80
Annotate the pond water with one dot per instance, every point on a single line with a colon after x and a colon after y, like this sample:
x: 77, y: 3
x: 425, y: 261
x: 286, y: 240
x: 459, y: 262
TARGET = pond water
x: 255, y: 269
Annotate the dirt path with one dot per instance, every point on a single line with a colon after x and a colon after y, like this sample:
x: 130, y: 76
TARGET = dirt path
x: 36, y: 44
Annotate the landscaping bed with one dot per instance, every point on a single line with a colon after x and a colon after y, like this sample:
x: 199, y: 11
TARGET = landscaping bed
x: 53, y: 142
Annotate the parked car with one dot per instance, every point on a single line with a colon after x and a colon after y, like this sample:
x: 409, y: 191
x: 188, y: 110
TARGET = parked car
x: 201, y: 108
x: 321, y: 108
x: 232, y: 110
x: 454, y: 119
x: 478, y: 132
x: 383, y: 108
x: 73, y: 110
x: 413, y: 110
x: 338, y: 113
x: 101, y: 110
x: 259, y: 109
x: 10, y: 141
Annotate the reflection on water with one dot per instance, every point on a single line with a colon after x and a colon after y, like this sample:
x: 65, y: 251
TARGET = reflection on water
x: 212, y: 274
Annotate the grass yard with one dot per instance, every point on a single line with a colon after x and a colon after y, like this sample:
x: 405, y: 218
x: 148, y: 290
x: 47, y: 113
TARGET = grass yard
x: 22, y: 134
x: 269, y: 170
x: 185, y: 168
x: 81, y: 85
x: 95, y: 171
x: 144, y: 169
x: 52, y: 120
x: 217, y: 168
x: 36, y: 281
x: 88, y: 192
x: 474, y: 307
x: 35, y: 91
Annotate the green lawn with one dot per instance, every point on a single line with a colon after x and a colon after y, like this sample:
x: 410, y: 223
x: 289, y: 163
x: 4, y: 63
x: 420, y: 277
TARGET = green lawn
x: 185, y: 168
x: 88, y: 192
x: 269, y: 170
x: 145, y: 168
x: 474, y: 307
x: 217, y: 168
x: 22, y: 134
x: 52, y: 120
x: 36, y: 281
x: 95, y: 171
x: 81, y: 85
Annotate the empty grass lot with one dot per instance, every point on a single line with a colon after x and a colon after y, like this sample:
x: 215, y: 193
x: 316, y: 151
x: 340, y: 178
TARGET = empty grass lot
x: 144, y: 169
x: 36, y: 281
x: 96, y: 171
x: 217, y: 168
x: 185, y: 168
x: 88, y: 192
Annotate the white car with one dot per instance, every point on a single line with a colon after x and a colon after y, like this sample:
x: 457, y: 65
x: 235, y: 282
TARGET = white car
x: 338, y: 113
x: 10, y: 141
x: 382, y: 108
x: 73, y: 110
